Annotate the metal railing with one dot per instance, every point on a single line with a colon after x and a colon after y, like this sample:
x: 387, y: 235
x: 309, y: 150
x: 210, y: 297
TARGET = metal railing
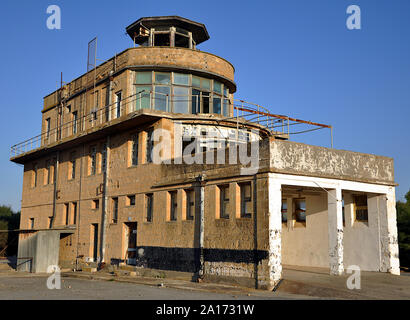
x: 279, y: 125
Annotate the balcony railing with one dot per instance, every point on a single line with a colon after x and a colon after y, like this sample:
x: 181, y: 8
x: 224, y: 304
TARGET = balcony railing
x: 279, y: 125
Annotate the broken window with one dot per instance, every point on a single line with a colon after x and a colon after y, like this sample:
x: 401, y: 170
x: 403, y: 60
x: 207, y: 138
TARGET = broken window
x: 104, y: 158
x: 150, y: 146
x: 95, y: 204
x: 134, y: 150
x: 74, y: 212
x: 66, y: 214
x: 173, y: 205
x: 93, y: 160
x: 72, y: 166
x: 360, y: 208
x: 47, y: 172
x: 190, y: 204
x: 118, y: 104
x: 246, y: 200
x: 31, y: 223
x: 75, y: 122
x: 131, y: 200
x: 149, y: 198
x: 300, y: 210
x: 48, y: 127
x: 284, y: 211
x: 224, y: 201
x: 114, y: 210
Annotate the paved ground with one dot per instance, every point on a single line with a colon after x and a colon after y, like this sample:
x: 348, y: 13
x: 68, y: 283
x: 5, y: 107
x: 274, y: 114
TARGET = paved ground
x: 302, y: 283
x: 31, y: 287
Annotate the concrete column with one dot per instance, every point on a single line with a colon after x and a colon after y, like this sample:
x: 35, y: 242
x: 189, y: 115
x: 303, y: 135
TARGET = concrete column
x: 275, y: 233
x: 389, y: 247
x: 335, y: 231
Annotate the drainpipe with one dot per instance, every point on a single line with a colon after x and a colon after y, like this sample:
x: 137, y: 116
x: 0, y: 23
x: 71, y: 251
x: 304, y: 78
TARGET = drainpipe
x: 55, y: 179
x: 104, y: 217
x: 79, y: 207
x: 200, y: 180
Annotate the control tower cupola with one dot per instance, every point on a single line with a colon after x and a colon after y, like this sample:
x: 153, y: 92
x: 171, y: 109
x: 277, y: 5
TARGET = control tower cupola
x: 167, y: 31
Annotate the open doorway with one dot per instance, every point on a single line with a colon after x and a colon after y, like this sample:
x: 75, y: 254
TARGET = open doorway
x: 131, y: 243
x: 94, y: 241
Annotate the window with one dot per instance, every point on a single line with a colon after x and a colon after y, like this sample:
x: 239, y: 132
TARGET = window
x: 48, y: 127
x: 50, y: 222
x: 143, y: 97
x: 93, y: 160
x: 206, y: 84
x: 114, y: 210
x: 131, y: 200
x: 196, y: 103
x: 205, y: 102
x: 162, y: 39
x: 180, y: 99
x: 150, y: 146
x: 217, y: 104
x: 246, y: 200
x: 196, y: 82
x: 31, y: 223
x: 225, y: 107
x: 134, y: 150
x: 173, y: 205
x: 218, y: 87
x: 224, y: 201
x: 72, y: 166
x: 118, y: 104
x: 95, y: 204
x: 47, y: 172
x: 35, y: 174
x: 161, y: 100
x: 66, y: 214
x: 284, y: 211
x: 143, y: 78
x: 75, y: 122
x: 190, y: 204
x: 162, y: 78
x: 300, y: 210
x: 74, y: 212
x: 180, y: 78
x: 360, y: 208
x: 104, y: 158
x: 149, y: 198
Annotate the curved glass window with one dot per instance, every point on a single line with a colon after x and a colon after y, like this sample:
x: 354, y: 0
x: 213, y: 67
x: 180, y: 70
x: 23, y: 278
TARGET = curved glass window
x: 181, y: 99
x: 162, y: 78
x: 143, y: 77
x: 161, y: 98
x: 173, y: 92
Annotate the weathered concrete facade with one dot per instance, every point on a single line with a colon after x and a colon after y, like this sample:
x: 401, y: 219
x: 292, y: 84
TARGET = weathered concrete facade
x: 92, y: 175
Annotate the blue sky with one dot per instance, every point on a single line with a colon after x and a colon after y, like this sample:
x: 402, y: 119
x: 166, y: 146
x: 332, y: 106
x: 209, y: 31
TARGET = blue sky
x: 295, y: 57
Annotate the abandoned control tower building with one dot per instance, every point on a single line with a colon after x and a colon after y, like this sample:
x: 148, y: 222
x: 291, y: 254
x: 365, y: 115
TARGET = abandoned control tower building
x: 95, y: 194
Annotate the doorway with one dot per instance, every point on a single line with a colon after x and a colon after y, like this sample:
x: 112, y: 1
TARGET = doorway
x: 131, y: 243
x: 94, y: 241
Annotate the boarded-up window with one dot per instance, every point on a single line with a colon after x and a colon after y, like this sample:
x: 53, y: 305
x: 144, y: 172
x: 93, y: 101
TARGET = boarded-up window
x: 114, y: 210
x: 149, y: 198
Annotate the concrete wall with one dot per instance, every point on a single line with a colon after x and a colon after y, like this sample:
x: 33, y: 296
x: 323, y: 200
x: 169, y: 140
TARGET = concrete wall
x: 38, y: 251
x: 307, y: 245
x: 302, y: 159
x: 361, y: 241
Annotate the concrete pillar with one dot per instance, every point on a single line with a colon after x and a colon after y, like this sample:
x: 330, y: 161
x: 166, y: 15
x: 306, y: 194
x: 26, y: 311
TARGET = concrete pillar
x: 389, y: 247
x: 275, y: 233
x: 335, y: 231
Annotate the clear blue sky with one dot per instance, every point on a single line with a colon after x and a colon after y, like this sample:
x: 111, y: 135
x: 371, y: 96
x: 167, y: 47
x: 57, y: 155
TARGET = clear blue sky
x: 294, y: 57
